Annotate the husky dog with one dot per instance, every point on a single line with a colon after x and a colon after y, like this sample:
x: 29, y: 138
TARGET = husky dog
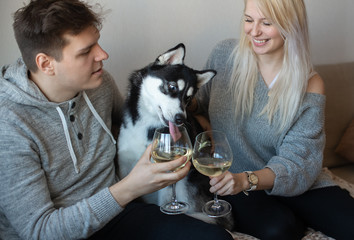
x: 157, y: 96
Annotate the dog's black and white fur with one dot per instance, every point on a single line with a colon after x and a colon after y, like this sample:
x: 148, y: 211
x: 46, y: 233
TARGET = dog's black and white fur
x: 158, y: 94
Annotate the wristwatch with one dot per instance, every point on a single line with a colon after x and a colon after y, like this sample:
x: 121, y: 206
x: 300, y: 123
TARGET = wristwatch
x: 252, y: 179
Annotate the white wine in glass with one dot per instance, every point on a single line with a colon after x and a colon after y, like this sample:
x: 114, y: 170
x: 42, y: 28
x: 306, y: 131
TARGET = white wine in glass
x: 160, y: 155
x: 168, y: 146
x: 212, y: 156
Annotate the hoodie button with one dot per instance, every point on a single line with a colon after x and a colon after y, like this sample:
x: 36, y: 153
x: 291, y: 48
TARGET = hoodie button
x: 72, y: 118
x: 79, y: 135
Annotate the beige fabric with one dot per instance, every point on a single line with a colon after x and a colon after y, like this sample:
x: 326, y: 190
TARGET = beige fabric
x: 339, y: 82
x: 345, y: 147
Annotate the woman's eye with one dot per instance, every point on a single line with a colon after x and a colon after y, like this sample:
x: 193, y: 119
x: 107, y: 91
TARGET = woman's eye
x: 267, y: 23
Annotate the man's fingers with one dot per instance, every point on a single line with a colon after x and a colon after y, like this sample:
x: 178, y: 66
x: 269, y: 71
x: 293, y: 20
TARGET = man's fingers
x: 147, y: 152
x: 171, y: 165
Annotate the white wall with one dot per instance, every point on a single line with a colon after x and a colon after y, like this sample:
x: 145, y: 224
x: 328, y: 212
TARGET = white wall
x: 136, y: 31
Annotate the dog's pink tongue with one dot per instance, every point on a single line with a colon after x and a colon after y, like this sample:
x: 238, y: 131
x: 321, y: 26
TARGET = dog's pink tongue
x: 174, y: 131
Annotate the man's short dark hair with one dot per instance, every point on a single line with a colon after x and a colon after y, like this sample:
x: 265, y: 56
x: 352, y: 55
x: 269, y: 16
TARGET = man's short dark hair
x: 40, y: 26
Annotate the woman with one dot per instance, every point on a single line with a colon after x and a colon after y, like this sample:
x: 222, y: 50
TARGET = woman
x: 275, y: 125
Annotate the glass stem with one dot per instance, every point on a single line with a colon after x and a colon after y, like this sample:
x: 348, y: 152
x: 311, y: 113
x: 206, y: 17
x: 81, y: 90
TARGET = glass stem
x: 216, y: 200
x: 216, y: 207
x: 174, y: 198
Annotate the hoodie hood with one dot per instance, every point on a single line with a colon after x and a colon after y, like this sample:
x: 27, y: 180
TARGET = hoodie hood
x: 15, y: 86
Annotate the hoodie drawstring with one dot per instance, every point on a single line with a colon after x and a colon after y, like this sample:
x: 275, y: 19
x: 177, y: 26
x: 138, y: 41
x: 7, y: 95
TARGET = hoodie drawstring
x: 66, y: 130
x: 68, y: 140
x: 99, y: 119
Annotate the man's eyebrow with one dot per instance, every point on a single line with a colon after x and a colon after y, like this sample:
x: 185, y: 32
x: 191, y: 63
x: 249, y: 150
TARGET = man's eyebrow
x: 86, y: 48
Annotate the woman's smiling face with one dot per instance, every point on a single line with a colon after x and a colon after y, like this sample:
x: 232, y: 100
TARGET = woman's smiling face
x: 261, y: 32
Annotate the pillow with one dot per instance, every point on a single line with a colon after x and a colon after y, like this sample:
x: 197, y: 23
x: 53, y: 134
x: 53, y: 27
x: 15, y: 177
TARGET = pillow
x: 345, y: 147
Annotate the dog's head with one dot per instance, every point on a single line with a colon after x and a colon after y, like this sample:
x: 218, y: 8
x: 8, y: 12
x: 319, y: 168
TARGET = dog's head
x: 167, y: 85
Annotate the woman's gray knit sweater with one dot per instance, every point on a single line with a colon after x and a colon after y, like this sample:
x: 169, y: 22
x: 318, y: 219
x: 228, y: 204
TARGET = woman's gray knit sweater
x: 56, y: 160
x: 295, y: 155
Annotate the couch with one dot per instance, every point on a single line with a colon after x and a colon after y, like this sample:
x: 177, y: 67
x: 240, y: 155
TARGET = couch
x: 339, y: 118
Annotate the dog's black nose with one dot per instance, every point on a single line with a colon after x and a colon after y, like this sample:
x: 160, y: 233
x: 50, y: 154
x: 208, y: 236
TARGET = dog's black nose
x: 179, y: 119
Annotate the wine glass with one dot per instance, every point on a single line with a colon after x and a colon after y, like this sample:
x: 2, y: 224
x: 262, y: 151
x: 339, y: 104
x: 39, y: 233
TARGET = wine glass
x: 212, y: 156
x: 170, y: 143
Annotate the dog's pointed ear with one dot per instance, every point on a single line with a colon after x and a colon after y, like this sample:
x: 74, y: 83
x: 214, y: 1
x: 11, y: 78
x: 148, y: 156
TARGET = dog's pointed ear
x: 173, y: 56
x: 204, y: 77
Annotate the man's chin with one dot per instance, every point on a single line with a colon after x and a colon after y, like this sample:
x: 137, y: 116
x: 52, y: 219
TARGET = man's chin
x: 95, y: 83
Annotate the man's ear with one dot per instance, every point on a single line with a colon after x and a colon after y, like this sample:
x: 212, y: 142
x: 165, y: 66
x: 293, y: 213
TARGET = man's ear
x: 45, y: 63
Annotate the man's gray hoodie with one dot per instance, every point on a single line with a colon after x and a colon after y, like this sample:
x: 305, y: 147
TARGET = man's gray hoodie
x: 56, y: 159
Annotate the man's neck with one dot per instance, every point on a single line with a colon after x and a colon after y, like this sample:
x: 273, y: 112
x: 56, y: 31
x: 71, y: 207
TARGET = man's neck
x: 48, y: 86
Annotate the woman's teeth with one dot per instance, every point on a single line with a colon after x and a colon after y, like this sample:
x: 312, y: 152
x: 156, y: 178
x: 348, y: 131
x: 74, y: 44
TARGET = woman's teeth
x: 259, y: 41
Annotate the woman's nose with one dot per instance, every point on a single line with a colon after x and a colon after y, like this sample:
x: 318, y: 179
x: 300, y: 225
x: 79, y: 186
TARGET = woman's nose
x: 256, y: 30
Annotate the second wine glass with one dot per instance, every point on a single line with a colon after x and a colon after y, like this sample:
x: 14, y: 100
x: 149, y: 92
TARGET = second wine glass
x: 212, y: 156
x: 168, y: 145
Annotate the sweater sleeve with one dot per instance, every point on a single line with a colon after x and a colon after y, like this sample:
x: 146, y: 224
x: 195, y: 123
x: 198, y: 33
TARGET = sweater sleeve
x: 25, y: 197
x: 299, y: 155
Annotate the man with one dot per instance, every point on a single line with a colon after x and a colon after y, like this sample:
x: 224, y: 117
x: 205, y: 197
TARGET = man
x: 57, y: 171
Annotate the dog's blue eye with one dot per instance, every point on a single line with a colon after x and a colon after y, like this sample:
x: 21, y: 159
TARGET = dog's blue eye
x: 172, y: 87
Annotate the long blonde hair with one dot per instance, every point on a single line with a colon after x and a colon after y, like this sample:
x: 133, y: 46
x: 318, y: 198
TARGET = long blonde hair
x: 285, y: 97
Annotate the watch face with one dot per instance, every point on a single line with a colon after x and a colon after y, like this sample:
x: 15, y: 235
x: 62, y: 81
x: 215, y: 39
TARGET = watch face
x: 253, y: 179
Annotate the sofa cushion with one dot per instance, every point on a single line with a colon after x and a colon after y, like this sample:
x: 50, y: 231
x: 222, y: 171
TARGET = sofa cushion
x: 345, y: 147
x: 339, y: 83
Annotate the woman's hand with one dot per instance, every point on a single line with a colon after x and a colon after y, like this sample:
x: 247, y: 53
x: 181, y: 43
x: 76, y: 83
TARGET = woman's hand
x: 147, y: 177
x: 227, y: 184
x: 232, y: 183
